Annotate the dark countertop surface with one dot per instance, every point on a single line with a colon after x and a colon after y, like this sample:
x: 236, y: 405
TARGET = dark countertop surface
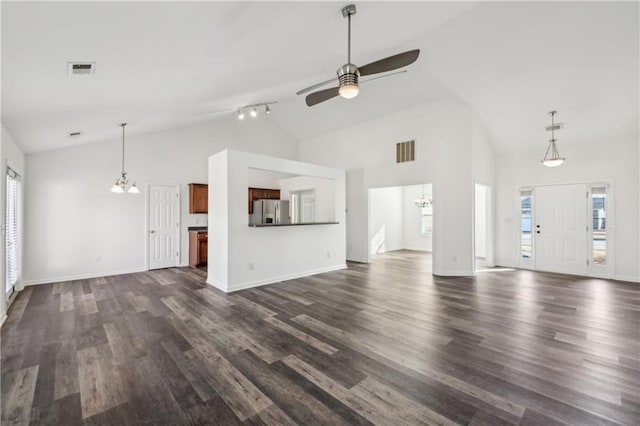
x: 273, y: 225
x: 198, y: 229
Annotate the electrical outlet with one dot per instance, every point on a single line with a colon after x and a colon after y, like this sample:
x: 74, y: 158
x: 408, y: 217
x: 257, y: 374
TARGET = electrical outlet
x: 251, y: 266
x: 454, y: 258
x: 328, y: 254
x: 197, y: 221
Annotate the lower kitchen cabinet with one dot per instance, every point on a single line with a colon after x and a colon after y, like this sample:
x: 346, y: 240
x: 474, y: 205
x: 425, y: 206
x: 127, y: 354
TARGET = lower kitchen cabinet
x: 198, y: 248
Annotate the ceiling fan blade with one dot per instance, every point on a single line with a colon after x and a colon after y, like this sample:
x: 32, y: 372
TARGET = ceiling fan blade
x: 382, y: 76
x: 321, y: 96
x: 391, y: 63
x: 315, y: 86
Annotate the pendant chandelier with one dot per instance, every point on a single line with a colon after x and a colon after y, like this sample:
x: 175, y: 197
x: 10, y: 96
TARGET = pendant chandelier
x: 552, y: 156
x: 422, y: 201
x: 123, y: 181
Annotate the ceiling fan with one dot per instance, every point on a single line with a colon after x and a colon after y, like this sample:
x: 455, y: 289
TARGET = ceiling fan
x: 349, y: 74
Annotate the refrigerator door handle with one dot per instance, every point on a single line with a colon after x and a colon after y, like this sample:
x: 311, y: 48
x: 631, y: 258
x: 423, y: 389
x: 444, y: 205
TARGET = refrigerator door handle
x: 277, y: 218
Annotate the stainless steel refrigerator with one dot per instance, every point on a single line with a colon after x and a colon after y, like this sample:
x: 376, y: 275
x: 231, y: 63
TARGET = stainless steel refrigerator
x: 270, y: 212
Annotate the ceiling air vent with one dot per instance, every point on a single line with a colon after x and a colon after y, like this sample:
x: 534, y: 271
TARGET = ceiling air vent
x: 74, y: 134
x: 82, y: 68
x: 405, y: 151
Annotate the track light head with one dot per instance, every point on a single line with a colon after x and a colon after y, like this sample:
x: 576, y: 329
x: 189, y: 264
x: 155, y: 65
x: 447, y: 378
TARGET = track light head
x: 240, y: 115
x: 254, y: 112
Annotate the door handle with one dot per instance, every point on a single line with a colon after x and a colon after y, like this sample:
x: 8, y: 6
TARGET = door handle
x: 152, y: 232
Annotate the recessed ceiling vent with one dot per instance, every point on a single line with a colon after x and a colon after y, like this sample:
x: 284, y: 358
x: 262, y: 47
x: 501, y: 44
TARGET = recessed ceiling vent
x: 74, y: 134
x: 82, y: 68
x: 405, y: 151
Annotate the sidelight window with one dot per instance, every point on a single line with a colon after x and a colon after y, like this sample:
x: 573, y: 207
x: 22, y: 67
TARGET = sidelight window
x: 526, y: 218
x: 12, y: 233
x: 599, y: 225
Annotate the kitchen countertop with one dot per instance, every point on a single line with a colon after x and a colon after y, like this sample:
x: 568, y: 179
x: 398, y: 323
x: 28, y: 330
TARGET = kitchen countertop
x: 273, y: 225
x: 198, y: 229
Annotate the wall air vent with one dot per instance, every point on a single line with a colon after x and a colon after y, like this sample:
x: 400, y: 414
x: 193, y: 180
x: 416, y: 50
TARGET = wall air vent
x: 405, y: 151
x: 74, y: 134
x: 81, y: 68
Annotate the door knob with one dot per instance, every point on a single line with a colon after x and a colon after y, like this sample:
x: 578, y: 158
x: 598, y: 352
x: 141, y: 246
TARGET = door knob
x: 152, y: 232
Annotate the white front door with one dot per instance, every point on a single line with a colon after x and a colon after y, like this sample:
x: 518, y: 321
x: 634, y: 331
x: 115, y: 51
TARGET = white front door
x: 164, y: 226
x: 560, y: 229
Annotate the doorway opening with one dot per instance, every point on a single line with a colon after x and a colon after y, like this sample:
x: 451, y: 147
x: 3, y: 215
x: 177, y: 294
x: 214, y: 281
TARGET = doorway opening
x: 13, y: 234
x: 483, y: 228
x: 401, y: 218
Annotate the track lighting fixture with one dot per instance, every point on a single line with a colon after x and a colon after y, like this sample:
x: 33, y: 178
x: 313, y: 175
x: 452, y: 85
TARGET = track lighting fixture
x: 255, y: 109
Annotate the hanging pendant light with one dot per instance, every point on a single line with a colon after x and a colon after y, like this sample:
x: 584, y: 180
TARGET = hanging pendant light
x: 422, y: 201
x: 552, y: 156
x: 123, y: 181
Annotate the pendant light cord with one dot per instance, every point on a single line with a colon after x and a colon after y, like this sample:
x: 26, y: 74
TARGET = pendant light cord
x: 553, y: 113
x: 123, y: 124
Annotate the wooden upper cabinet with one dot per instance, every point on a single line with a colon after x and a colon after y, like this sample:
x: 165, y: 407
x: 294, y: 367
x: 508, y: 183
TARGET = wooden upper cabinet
x: 198, y: 198
x: 262, y: 194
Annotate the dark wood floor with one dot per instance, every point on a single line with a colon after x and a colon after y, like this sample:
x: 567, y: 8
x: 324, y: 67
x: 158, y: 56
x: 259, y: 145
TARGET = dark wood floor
x: 385, y: 343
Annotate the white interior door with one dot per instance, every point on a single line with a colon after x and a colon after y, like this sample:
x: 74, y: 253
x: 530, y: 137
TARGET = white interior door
x: 561, y: 228
x: 308, y: 206
x: 164, y: 226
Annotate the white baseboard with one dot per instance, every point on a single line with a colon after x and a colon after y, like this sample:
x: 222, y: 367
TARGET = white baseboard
x: 625, y: 278
x: 453, y: 274
x: 4, y: 317
x: 82, y: 276
x: 217, y: 285
x: 259, y: 283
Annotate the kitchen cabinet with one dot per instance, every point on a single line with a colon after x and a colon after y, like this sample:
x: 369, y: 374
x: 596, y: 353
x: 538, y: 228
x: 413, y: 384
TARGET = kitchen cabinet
x: 262, y: 194
x: 198, y: 198
x: 198, y: 248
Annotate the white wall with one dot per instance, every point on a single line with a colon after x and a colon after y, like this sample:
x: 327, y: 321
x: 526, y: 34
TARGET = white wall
x: 325, y: 194
x: 251, y: 256
x: 413, y: 238
x: 443, y: 134
x: 13, y: 157
x: 72, y: 219
x: 614, y: 160
x: 357, y: 217
x: 385, y: 220
x: 480, y: 226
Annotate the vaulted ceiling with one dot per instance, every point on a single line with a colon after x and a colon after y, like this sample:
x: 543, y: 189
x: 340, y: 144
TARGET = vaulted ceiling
x: 163, y: 65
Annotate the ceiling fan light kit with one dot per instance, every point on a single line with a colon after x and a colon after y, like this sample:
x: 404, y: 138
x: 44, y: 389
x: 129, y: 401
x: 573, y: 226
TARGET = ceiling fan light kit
x: 349, y: 74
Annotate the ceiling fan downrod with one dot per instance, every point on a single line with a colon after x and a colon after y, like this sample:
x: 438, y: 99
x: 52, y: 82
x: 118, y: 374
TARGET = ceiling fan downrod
x: 348, y: 74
